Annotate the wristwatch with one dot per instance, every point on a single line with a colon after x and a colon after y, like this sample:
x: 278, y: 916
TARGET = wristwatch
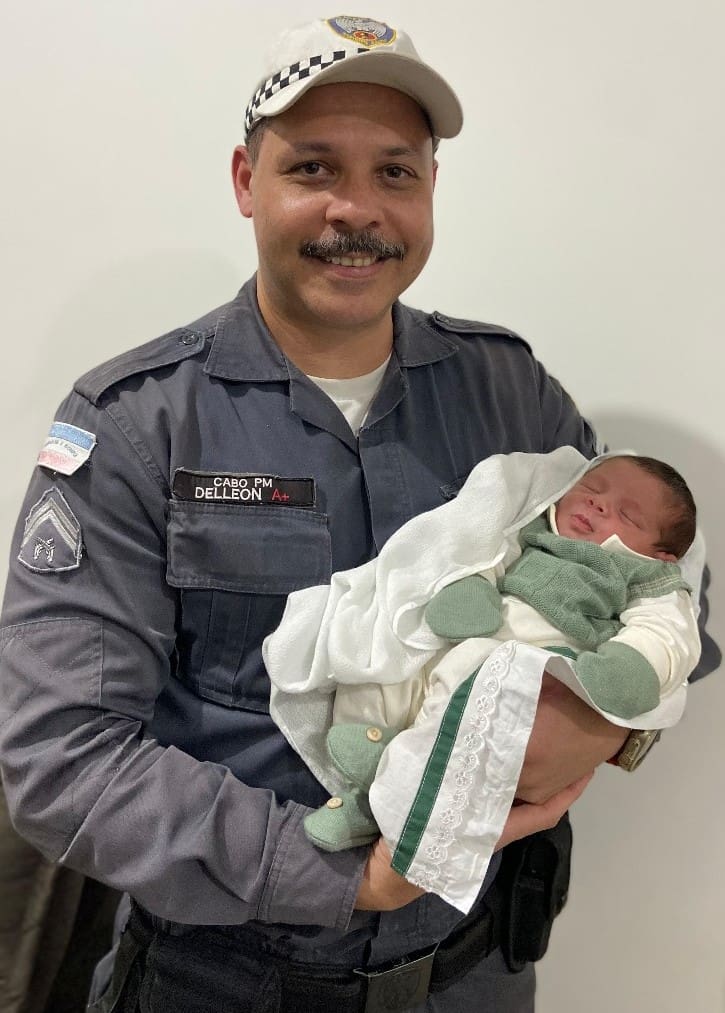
x: 636, y: 746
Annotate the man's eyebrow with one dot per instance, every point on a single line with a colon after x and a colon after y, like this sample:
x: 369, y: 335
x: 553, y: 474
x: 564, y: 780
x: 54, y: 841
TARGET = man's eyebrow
x: 401, y: 150
x: 325, y: 148
x: 311, y: 147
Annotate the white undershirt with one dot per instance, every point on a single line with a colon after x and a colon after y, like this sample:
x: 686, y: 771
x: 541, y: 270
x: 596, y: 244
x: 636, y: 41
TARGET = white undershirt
x: 355, y: 395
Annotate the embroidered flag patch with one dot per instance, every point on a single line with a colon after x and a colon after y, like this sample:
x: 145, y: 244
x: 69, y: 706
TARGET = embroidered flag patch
x: 52, y: 537
x: 223, y: 487
x: 66, y: 448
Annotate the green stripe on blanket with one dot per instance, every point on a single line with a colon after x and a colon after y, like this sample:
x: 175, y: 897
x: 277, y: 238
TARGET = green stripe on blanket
x: 430, y: 784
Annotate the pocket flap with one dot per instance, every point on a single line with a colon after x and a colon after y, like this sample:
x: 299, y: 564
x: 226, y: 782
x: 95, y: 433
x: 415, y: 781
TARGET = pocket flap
x: 252, y: 549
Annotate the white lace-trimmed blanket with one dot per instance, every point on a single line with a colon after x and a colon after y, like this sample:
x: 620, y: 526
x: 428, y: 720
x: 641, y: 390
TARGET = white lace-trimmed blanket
x: 457, y: 768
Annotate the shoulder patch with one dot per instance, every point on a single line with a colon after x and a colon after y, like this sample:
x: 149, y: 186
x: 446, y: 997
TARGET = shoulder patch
x: 175, y: 346
x: 66, y: 448
x: 455, y: 325
x: 52, y: 536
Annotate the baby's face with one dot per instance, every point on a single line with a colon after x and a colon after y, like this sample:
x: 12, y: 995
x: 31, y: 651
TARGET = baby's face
x: 617, y: 498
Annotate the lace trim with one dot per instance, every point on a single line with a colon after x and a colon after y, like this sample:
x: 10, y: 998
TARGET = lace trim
x: 471, y: 753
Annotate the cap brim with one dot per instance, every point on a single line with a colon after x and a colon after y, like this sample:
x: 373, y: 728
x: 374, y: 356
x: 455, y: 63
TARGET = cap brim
x: 391, y: 70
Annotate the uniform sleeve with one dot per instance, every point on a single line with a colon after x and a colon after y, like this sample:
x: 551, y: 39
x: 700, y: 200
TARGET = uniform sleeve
x: 697, y: 574
x: 87, y: 644
x: 562, y: 424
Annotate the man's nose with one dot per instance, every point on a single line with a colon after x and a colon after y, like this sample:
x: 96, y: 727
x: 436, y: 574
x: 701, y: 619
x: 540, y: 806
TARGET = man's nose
x: 353, y: 205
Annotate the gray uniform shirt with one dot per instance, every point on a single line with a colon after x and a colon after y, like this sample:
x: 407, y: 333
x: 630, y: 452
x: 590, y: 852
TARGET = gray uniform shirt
x: 135, y: 738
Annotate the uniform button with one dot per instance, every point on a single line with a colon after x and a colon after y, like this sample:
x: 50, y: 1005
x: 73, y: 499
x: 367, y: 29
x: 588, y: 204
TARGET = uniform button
x: 188, y: 339
x: 374, y: 734
x: 334, y: 802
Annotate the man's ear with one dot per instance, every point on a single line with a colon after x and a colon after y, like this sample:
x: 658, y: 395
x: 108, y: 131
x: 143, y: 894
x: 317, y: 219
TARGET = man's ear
x: 242, y: 179
x: 668, y: 557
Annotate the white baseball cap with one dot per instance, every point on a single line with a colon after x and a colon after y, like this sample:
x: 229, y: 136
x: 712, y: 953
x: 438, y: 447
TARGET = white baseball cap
x: 346, y: 48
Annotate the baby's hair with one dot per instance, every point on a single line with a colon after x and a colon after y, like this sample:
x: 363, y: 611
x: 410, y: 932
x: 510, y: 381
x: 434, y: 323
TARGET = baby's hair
x: 679, y: 533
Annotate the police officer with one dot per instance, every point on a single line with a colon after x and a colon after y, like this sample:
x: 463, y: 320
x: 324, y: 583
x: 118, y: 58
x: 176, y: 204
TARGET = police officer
x: 186, y: 487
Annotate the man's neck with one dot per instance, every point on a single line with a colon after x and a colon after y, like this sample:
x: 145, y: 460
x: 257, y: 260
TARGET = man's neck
x: 334, y: 353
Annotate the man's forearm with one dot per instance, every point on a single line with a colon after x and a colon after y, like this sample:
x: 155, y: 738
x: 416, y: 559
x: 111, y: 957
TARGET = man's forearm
x: 569, y: 739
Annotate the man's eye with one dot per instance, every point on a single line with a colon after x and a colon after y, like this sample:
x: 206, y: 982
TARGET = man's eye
x: 397, y: 172
x: 308, y: 169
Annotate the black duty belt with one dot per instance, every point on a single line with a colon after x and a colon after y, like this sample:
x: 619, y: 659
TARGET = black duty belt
x: 391, y: 988
x: 410, y: 979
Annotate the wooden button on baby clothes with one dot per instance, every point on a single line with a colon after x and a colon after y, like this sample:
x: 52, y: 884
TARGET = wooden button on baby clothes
x: 334, y: 803
x: 374, y: 734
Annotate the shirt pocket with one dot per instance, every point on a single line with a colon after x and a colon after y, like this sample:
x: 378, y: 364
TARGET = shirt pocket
x: 234, y: 567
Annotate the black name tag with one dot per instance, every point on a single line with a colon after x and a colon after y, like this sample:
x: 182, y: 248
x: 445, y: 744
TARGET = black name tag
x: 244, y: 490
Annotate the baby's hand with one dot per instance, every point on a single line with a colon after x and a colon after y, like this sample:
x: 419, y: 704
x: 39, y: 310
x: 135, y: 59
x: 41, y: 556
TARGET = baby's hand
x: 470, y: 607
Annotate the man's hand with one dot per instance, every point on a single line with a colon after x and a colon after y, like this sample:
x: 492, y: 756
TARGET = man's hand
x: 382, y: 889
x: 569, y: 739
x: 526, y: 818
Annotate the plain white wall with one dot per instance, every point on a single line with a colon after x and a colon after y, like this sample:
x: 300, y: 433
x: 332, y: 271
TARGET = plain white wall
x: 582, y: 205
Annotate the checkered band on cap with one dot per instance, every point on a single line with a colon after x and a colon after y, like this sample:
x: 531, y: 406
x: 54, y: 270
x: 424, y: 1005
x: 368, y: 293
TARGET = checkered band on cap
x: 290, y: 75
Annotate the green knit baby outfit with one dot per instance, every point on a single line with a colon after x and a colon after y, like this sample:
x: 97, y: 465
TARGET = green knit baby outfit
x: 581, y: 589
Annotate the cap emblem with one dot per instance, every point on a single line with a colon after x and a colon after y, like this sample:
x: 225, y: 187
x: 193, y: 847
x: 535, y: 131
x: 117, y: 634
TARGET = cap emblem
x: 363, y: 31
x: 327, y: 51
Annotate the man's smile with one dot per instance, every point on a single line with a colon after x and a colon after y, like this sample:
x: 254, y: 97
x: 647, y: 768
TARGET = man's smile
x: 360, y: 249
x: 352, y: 261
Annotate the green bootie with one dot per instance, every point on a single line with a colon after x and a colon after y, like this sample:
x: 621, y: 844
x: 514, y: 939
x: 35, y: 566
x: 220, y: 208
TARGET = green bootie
x: 345, y: 822
x: 356, y: 749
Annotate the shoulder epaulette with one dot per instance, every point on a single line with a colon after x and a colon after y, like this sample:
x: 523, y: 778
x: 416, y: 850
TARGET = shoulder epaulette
x: 455, y: 326
x: 175, y: 346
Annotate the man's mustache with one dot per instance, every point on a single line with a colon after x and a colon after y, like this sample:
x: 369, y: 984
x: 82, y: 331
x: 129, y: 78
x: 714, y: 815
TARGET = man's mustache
x: 352, y: 244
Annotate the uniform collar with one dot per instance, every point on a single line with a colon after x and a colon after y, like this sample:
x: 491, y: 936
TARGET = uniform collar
x: 243, y: 349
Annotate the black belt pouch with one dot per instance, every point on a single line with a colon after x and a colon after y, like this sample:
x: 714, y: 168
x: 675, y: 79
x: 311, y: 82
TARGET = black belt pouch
x: 534, y: 882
